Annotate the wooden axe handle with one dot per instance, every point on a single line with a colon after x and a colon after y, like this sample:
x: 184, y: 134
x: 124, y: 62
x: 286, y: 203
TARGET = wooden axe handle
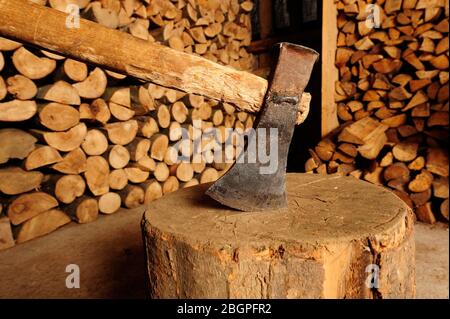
x: 46, y: 28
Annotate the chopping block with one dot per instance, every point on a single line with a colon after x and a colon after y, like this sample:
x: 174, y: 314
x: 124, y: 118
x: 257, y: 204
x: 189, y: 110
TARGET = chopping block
x: 339, y: 237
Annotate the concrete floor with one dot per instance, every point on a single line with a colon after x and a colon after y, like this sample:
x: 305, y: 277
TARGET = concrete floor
x: 109, y: 254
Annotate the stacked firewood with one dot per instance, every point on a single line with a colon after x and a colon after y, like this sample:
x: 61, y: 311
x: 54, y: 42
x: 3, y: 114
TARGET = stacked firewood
x: 392, y: 100
x: 77, y: 140
x: 218, y: 30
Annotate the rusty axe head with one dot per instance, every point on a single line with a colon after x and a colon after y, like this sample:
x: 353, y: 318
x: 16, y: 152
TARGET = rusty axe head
x: 257, y: 179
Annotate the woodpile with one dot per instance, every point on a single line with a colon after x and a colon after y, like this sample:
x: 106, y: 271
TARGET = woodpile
x: 77, y: 141
x: 392, y: 100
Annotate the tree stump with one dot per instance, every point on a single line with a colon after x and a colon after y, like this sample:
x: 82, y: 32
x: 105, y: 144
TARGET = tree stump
x: 338, y: 238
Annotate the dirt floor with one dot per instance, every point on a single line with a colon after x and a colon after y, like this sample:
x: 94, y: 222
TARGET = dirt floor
x: 432, y: 261
x: 109, y: 254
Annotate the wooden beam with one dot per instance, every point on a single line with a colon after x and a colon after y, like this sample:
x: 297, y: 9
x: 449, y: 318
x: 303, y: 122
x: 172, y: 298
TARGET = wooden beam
x: 329, y: 70
x: 118, y: 51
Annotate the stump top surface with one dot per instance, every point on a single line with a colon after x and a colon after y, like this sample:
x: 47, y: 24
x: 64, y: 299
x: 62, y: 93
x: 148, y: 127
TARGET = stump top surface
x: 321, y: 210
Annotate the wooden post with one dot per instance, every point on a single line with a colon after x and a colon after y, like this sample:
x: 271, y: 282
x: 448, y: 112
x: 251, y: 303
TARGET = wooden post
x: 325, y: 245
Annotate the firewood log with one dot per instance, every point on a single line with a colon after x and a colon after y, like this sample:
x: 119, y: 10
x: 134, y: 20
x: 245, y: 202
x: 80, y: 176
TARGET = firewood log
x: 65, y: 141
x: 15, y: 143
x: 6, y: 235
x: 117, y: 179
x: 41, y: 224
x: 118, y: 156
x: 75, y: 70
x: 73, y: 162
x: 93, y: 86
x: 21, y: 87
x: 152, y: 189
x: 424, y: 213
x: 95, y: 143
x: 122, y: 133
x: 83, y: 210
x: 14, y: 180
x: 97, y: 175
x: 69, y: 187
x: 26, y: 206
x: 159, y: 144
x: 98, y: 110
x: 17, y: 110
x: 58, y: 117
x: 32, y: 66
x: 132, y: 196
x: 109, y: 203
x: 60, y: 92
x: 42, y: 156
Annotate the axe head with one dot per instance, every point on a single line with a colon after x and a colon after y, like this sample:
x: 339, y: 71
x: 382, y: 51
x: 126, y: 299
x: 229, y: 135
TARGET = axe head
x: 256, y: 181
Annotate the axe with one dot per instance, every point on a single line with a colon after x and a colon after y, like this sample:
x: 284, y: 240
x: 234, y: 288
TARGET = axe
x: 247, y: 185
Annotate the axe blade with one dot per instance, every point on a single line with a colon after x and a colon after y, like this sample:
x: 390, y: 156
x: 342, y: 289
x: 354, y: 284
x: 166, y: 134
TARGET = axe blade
x: 252, y: 184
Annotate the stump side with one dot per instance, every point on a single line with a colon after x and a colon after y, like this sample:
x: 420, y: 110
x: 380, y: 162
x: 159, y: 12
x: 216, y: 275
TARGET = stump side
x: 319, y: 247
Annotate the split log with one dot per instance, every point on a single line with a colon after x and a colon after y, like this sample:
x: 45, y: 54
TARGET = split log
x: 98, y: 110
x: 6, y: 236
x: 424, y: 214
x: 421, y: 182
x: 58, y: 117
x: 122, y: 133
x: 60, y: 92
x: 159, y: 145
x: 73, y: 162
x: 66, y: 141
x: 405, y: 152
x: 136, y: 175
x: 209, y: 175
x: 152, y: 190
x: 42, y: 156
x: 75, y: 70
x: 21, y: 87
x: 138, y: 148
x: 15, y: 143
x: 170, y: 185
x: 41, y: 225
x: 17, y: 110
x: 97, y: 175
x: 27, y: 206
x: 161, y: 172
x: 14, y: 180
x: 93, y: 86
x: 440, y: 187
x: 32, y: 66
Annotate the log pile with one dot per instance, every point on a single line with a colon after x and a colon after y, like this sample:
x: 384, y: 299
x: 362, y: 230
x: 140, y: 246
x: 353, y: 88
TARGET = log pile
x: 219, y: 30
x: 77, y: 141
x: 392, y: 100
